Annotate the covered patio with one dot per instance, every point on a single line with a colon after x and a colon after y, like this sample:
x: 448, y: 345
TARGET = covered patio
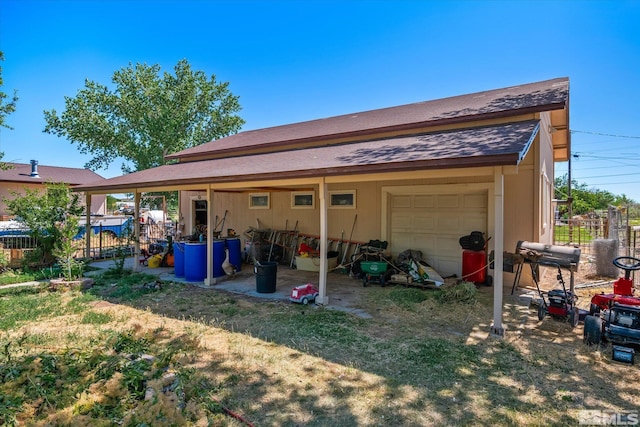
x: 471, y: 158
x: 347, y: 293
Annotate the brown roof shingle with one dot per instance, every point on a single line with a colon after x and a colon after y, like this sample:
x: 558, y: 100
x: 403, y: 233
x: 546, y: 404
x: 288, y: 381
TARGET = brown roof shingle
x: 533, y: 97
x: 504, y: 144
x: 21, y: 172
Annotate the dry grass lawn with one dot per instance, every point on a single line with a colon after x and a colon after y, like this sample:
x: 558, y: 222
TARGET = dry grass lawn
x: 417, y: 362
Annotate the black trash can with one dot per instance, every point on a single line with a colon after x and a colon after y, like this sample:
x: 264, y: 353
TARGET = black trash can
x: 266, y: 272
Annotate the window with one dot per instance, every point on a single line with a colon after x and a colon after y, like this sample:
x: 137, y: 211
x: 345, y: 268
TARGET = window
x: 259, y: 201
x: 200, y: 212
x: 342, y: 199
x: 303, y: 200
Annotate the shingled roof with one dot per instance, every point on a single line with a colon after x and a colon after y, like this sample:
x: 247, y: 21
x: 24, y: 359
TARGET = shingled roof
x: 478, y: 133
x: 515, y: 100
x: 22, y: 173
x: 449, y: 149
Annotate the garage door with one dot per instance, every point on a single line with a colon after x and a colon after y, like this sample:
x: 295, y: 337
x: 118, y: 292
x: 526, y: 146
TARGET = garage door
x: 434, y: 223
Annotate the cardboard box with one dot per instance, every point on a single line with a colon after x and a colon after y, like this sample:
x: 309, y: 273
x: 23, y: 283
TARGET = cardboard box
x: 313, y: 263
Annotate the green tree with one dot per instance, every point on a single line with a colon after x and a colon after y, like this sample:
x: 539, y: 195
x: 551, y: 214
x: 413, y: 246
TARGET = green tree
x: 65, y: 248
x: 7, y: 106
x: 7, y: 102
x: 42, y: 213
x: 146, y: 115
x: 111, y: 203
x: 587, y: 200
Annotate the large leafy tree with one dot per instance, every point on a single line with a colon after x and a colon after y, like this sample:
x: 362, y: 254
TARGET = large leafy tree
x: 7, y: 102
x: 146, y: 115
x: 7, y: 106
x: 587, y: 199
x: 41, y: 212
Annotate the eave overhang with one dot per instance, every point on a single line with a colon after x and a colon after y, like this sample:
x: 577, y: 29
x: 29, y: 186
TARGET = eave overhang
x: 496, y: 145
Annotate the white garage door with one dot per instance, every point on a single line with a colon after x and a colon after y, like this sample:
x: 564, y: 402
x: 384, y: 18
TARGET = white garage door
x: 434, y: 223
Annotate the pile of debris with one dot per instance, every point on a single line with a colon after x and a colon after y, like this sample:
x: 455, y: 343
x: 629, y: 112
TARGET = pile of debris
x: 409, y: 267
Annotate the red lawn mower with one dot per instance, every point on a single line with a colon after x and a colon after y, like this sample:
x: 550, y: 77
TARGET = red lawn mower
x: 559, y: 303
x: 615, y: 317
x: 622, y: 288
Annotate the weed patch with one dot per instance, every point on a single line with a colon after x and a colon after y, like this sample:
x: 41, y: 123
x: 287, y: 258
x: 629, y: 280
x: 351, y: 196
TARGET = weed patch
x: 408, y: 297
x: 94, y: 318
x: 23, y: 307
x: 125, y: 286
x: 187, y: 356
x: 462, y: 292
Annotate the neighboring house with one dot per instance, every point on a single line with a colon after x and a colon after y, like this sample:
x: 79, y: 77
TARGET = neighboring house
x: 419, y: 176
x: 21, y: 176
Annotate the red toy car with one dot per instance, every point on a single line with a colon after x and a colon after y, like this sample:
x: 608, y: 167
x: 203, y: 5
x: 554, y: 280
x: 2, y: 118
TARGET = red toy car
x: 304, y: 294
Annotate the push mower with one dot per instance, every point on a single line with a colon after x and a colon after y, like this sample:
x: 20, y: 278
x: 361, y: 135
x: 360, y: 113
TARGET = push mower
x: 558, y: 303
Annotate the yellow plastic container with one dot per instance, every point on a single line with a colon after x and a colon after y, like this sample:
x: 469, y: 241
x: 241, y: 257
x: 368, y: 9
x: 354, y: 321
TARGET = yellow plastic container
x: 154, y: 261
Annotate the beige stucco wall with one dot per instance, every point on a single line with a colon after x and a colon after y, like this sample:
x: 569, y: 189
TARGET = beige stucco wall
x: 525, y: 200
x: 280, y: 215
x: 521, y: 202
x: 547, y: 167
x: 98, y: 202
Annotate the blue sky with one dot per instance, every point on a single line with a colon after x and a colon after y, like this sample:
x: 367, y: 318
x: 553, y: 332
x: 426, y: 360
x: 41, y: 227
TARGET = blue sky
x: 292, y: 61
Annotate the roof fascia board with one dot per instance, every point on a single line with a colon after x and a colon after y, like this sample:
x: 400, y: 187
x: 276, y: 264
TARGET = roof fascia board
x: 152, y: 188
x: 527, y: 146
x: 37, y: 181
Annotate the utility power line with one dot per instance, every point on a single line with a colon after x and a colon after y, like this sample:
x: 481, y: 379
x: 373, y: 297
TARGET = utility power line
x: 604, y: 134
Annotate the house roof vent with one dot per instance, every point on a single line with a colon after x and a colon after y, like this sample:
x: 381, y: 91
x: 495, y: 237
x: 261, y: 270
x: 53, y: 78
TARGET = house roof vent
x: 34, y: 169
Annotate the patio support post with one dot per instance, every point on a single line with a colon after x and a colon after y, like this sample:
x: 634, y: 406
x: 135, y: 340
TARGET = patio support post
x: 210, y: 280
x: 87, y: 226
x: 497, y: 329
x: 323, y: 298
x: 179, y: 223
x: 136, y: 230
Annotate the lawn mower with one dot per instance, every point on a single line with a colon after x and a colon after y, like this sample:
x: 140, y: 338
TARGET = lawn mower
x: 615, y: 317
x: 558, y: 303
x: 622, y: 288
x: 619, y: 325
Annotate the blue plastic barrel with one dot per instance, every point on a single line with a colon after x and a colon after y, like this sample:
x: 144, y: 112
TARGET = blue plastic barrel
x: 178, y: 258
x: 218, y: 258
x: 235, y: 252
x: 195, y: 261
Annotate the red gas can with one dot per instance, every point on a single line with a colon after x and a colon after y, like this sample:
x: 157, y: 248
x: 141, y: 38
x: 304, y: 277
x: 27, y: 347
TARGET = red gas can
x: 474, y: 266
